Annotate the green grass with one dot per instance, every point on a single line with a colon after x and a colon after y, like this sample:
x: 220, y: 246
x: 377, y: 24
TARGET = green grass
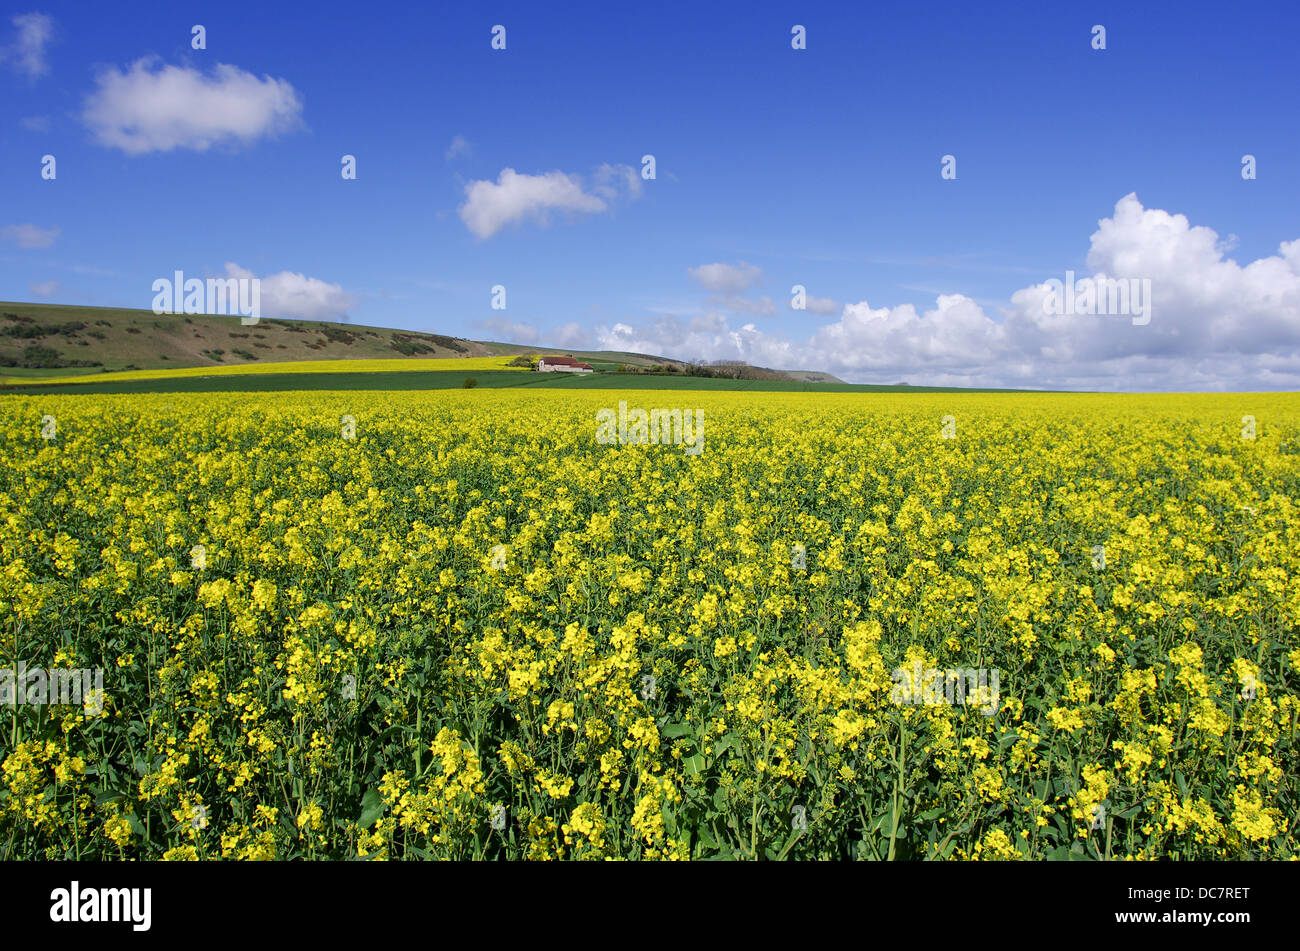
x: 43, y: 373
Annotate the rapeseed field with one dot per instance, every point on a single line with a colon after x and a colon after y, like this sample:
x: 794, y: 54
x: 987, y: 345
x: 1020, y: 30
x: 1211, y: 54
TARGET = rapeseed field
x: 458, y: 625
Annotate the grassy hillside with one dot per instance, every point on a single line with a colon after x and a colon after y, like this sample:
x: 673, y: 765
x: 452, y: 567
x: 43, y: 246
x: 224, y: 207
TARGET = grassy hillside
x: 137, y: 339
x: 57, y: 342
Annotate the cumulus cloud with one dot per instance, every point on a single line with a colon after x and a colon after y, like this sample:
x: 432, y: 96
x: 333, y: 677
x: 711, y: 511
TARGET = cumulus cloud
x: 1214, y: 325
x: 44, y: 291
x: 156, y: 108
x: 510, y: 331
x: 287, y: 294
x: 513, y: 198
x: 27, y: 52
x: 1203, y: 304
x: 28, y: 236
x: 726, y: 278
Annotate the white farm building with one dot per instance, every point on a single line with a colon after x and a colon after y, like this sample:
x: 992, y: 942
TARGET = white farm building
x: 562, y: 365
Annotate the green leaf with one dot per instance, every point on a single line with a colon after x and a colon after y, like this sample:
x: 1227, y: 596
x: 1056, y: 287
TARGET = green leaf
x: 726, y: 742
x: 372, y: 807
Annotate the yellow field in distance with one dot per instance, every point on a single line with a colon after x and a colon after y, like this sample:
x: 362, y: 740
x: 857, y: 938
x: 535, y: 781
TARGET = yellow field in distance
x: 293, y: 366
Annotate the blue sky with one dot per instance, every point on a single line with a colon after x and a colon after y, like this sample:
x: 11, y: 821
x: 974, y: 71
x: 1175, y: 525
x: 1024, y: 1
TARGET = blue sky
x: 774, y: 167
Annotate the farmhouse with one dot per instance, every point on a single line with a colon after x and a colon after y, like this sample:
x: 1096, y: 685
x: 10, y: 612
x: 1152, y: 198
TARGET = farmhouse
x: 561, y: 365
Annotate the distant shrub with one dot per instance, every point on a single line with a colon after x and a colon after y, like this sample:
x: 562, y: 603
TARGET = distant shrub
x: 448, y: 343
x: 24, y: 332
x: 245, y: 354
x: 37, y: 357
x: 470, y: 383
x: 338, y: 335
x: 410, y: 344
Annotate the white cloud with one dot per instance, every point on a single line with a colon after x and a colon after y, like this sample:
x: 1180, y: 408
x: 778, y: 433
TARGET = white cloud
x: 819, y: 305
x: 45, y: 290
x: 28, y: 236
x: 1202, y: 303
x: 510, y: 331
x: 726, y: 278
x: 35, y: 123
x: 1215, y: 325
x: 459, y: 146
x: 153, y: 108
x: 612, y: 181
x: 287, y: 294
x: 570, y: 336
x: 27, y: 53
x: 490, y: 206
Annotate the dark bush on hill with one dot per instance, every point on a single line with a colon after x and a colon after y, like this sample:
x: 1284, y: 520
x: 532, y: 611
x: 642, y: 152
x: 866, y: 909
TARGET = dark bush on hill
x: 338, y: 335
x: 37, y: 357
x: 24, y: 332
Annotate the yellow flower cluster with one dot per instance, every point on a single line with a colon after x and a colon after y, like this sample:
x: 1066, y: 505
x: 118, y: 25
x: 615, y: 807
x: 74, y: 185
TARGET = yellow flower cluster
x: 467, y: 629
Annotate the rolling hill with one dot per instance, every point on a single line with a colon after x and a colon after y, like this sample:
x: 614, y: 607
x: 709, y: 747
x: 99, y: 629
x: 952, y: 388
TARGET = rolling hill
x: 47, y: 341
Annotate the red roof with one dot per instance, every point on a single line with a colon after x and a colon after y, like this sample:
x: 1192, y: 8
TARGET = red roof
x: 565, y: 362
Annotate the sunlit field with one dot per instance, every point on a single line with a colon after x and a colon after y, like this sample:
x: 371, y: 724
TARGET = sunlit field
x: 458, y: 624
x: 83, y: 376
